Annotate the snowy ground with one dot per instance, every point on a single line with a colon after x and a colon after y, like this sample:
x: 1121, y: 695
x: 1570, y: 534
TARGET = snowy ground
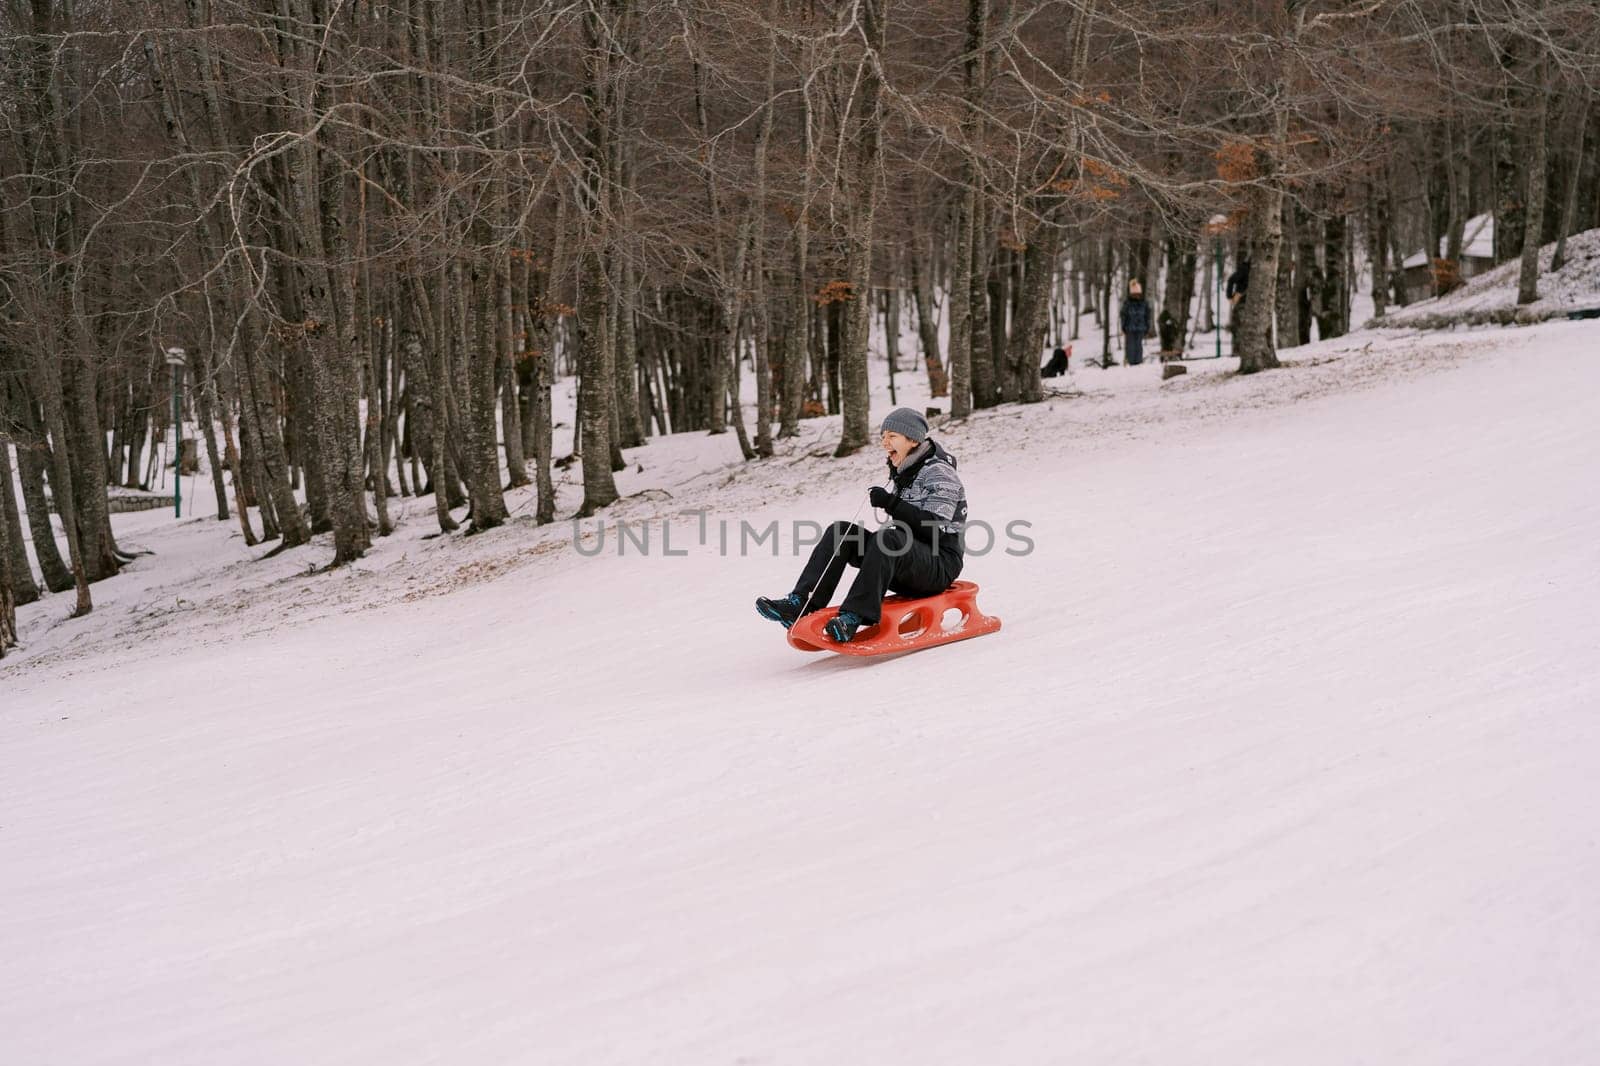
x: 1285, y: 754
x: 1576, y: 285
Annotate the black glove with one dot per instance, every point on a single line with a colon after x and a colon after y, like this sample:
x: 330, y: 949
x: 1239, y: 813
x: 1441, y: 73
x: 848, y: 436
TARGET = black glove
x: 921, y: 522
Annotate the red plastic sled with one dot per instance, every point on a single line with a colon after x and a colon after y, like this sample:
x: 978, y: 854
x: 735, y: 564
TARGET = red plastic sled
x: 905, y: 625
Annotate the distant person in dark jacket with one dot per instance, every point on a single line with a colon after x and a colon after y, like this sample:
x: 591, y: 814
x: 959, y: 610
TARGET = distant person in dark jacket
x: 1057, y: 364
x: 1135, y: 322
x: 1238, y: 283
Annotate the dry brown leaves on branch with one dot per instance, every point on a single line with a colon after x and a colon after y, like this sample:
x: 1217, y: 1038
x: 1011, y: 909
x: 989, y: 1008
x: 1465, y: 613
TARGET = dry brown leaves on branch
x: 1236, y: 161
x: 1099, y: 183
x: 834, y: 292
x: 1446, y: 276
x: 291, y: 331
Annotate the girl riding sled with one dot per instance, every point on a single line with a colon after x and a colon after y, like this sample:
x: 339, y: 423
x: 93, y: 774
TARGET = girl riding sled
x: 918, y: 552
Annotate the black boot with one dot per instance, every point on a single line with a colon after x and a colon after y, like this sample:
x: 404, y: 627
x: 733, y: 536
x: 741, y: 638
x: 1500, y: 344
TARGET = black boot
x: 786, y: 611
x: 841, y: 628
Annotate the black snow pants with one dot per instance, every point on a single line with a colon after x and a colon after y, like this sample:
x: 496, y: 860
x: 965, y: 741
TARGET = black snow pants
x: 891, y: 560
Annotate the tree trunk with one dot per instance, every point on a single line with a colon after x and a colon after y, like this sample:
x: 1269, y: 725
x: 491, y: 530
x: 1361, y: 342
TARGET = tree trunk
x: 426, y: 423
x: 121, y: 416
x: 1308, y: 276
x: 629, y: 421
x: 138, y: 434
x: 1569, y: 214
x: 758, y: 266
x: 964, y: 355
x: 336, y: 427
x: 985, y: 390
x: 1533, y: 219
x: 483, y: 482
x: 736, y: 345
x: 204, y: 389
x: 1378, y: 223
x: 1028, y: 331
x: 23, y: 588
x: 48, y: 377
x: 801, y: 312
x: 1509, y: 206
x: 1182, y: 266
x: 927, y: 328
x: 1000, y: 288
x: 543, y: 444
x: 541, y: 376
x: 1108, y: 275
x: 1397, y: 255
x: 1456, y: 192
x: 1253, y: 338
x: 325, y: 289
x: 960, y: 306
x: 891, y: 335
x: 594, y: 346
x: 1332, y: 306
x: 506, y: 375
x: 261, y: 422
x: 230, y: 451
x: 1290, y: 279
x: 594, y: 389
x: 868, y: 124
x: 377, y: 459
x: 86, y: 451
x: 33, y: 456
x: 8, y: 596
x: 10, y: 576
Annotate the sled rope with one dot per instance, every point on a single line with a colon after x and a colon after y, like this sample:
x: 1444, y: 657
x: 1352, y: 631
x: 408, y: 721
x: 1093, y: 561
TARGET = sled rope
x: 854, y: 520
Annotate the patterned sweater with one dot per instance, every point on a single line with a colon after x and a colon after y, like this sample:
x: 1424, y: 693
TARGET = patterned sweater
x: 928, y: 480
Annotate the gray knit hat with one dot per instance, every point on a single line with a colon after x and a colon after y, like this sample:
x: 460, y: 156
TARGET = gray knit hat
x: 907, y: 423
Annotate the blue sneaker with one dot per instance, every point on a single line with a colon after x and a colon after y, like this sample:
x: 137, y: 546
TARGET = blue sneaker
x: 786, y: 612
x: 841, y: 628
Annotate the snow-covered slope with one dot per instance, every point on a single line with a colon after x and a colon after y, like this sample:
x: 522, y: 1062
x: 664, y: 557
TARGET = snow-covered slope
x: 1492, y: 296
x: 1285, y: 754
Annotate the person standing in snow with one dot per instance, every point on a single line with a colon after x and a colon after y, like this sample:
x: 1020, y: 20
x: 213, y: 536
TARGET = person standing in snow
x: 918, y: 552
x: 1238, y: 283
x: 1135, y: 322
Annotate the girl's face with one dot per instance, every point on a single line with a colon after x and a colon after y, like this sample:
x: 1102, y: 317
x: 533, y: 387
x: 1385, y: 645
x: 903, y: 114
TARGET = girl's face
x: 897, y: 446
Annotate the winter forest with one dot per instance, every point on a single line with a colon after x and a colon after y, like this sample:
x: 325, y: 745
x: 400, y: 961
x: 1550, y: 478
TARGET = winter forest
x: 1158, y: 439
x: 380, y: 231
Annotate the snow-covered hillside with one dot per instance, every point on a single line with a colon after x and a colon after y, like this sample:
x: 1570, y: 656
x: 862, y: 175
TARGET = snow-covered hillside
x: 1285, y: 754
x: 1491, y: 297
